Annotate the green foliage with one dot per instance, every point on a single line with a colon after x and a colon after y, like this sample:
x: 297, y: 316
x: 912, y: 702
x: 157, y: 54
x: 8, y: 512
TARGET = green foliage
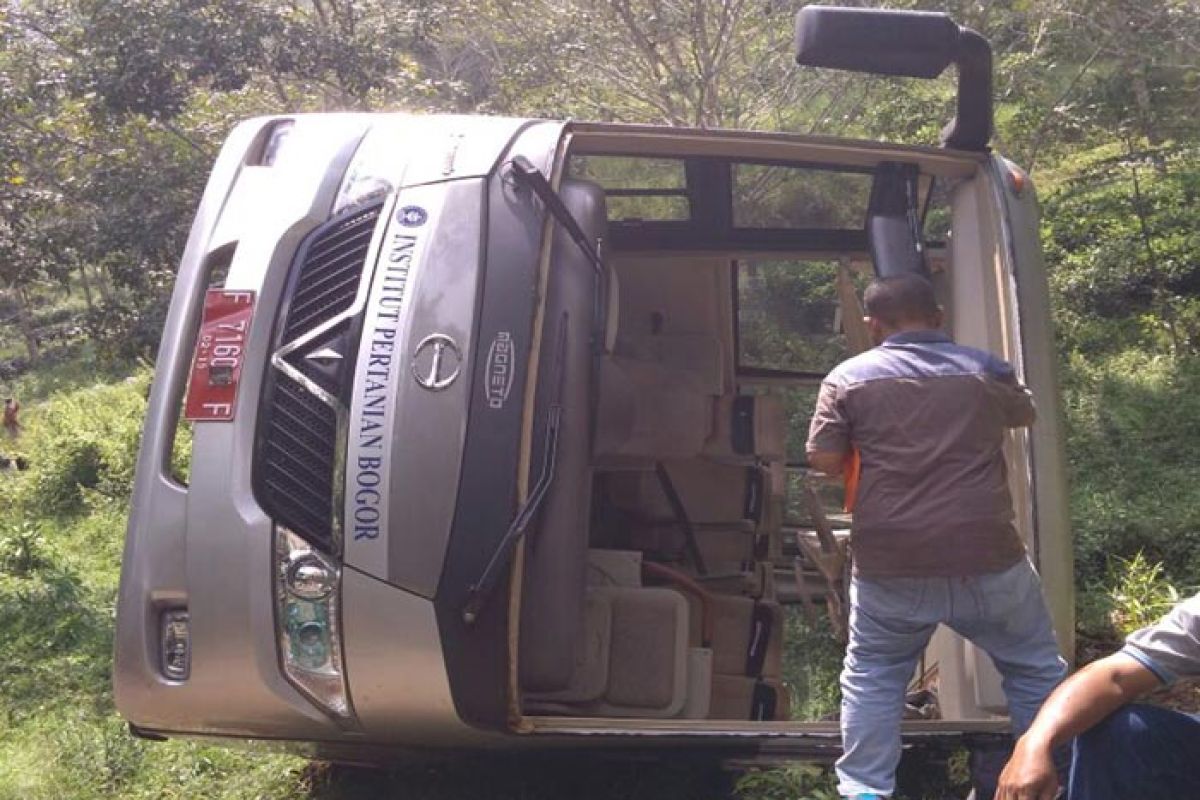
x: 812, y: 660
x: 796, y: 782
x: 85, y: 442
x: 111, y: 113
x: 60, y: 552
x: 1133, y: 421
x: 1140, y: 593
x: 787, y: 312
x: 22, y: 549
x: 1124, y: 253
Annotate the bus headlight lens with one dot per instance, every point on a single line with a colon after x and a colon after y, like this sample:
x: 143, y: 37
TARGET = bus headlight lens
x: 360, y: 189
x: 375, y: 168
x: 310, y: 577
x: 276, y: 139
x: 307, y: 620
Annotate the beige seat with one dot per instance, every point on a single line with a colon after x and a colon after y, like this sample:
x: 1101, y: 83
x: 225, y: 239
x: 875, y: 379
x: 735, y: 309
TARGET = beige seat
x: 648, y: 412
x: 748, y: 427
x: 747, y: 658
x: 725, y: 547
x: 696, y: 355
x: 633, y: 659
x: 655, y: 392
x: 728, y: 506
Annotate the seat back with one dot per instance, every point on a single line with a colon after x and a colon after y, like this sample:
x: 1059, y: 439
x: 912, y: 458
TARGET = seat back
x: 633, y: 659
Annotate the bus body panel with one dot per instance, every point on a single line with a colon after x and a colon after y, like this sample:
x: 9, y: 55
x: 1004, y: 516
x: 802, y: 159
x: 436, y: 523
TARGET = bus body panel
x: 206, y: 547
x: 1050, y: 502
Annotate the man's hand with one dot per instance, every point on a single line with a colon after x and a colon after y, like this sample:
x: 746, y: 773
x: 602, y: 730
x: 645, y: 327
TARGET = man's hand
x: 1030, y: 773
x: 1076, y: 705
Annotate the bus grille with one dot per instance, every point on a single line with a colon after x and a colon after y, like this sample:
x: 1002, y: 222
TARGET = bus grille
x: 296, y: 464
x: 297, y: 455
x: 329, y: 275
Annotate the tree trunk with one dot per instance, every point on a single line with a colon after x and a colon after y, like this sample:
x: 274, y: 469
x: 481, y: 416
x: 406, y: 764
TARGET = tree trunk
x: 25, y: 323
x: 86, y: 283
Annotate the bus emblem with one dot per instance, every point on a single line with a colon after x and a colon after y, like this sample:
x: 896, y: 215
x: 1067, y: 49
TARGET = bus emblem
x: 436, y: 362
x: 412, y: 216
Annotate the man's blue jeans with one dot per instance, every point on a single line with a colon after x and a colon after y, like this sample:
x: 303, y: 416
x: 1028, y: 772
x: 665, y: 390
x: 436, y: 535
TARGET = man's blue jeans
x: 891, y: 621
x: 1138, y: 753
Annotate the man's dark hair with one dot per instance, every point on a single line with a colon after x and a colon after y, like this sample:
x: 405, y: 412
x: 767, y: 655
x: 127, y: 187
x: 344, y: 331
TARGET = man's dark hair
x: 901, y: 299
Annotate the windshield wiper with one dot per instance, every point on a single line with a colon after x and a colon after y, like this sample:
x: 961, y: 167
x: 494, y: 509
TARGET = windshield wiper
x: 530, y: 176
x: 482, y: 588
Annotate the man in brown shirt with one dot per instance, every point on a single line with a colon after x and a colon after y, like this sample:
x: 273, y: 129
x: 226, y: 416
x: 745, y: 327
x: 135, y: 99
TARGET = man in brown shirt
x: 933, y: 535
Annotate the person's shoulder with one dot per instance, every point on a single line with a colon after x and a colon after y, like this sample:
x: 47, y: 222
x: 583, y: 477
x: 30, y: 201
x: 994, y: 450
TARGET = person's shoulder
x: 1183, y: 619
x: 1187, y: 614
x: 986, y: 361
x: 855, y: 368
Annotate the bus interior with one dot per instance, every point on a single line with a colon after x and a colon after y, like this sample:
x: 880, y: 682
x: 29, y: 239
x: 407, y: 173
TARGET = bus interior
x: 683, y: 556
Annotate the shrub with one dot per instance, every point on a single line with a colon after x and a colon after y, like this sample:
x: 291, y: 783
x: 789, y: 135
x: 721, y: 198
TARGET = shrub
x: 83, y: 441
x: 55, y: 644
x: 812, y: 661
x: 23, y: 549
x: 1133, y: 421
x: 794, y: 782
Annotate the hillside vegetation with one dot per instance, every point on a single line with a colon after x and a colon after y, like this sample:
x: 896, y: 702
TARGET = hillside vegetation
x: 112, y: 111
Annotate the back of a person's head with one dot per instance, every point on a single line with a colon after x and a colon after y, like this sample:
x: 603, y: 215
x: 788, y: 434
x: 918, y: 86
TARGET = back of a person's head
x: 900, y: 300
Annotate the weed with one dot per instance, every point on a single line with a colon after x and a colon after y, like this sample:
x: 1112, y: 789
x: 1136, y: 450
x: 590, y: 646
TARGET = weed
x: 812, y: 661
x: 1139, y: 591
x: 794, y: 782
x: 22, y: 549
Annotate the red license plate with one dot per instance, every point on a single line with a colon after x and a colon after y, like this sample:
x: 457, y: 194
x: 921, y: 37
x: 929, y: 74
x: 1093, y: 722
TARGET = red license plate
x: 220, y: 351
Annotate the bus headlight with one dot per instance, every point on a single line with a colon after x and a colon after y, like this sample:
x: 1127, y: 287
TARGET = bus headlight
x: 308, y: 623
x: 276, y: 139
x: 375, y: 168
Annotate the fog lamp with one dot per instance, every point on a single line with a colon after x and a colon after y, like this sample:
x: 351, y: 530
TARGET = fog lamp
x: 175, y: 641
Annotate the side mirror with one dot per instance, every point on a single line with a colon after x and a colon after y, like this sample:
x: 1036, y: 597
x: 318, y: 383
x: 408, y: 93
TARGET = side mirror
x: 914, y: 44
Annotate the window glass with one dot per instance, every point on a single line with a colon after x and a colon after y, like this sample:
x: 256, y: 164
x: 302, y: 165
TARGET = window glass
x: 767, y: 196
x: 643, y: 189
x: 789, y: 317
x: 626, y: 208
x: 629, y: 172
x: 938, y: 211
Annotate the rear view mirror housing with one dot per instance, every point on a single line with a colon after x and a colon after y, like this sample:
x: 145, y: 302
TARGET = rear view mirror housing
x: 914, y: 44
x: 893, y: 225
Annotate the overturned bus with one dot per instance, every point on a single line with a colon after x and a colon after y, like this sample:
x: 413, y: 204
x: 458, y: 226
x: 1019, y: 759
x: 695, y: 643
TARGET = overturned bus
x: 498, y: 423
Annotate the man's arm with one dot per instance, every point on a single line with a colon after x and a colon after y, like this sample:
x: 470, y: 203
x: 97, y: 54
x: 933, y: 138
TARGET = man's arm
x: 828, y: 432
x: 1076, y: 705
x: 827, y: 461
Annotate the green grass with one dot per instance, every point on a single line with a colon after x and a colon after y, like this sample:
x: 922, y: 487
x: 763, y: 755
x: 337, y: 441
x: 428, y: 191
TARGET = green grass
x: 62, y: 525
